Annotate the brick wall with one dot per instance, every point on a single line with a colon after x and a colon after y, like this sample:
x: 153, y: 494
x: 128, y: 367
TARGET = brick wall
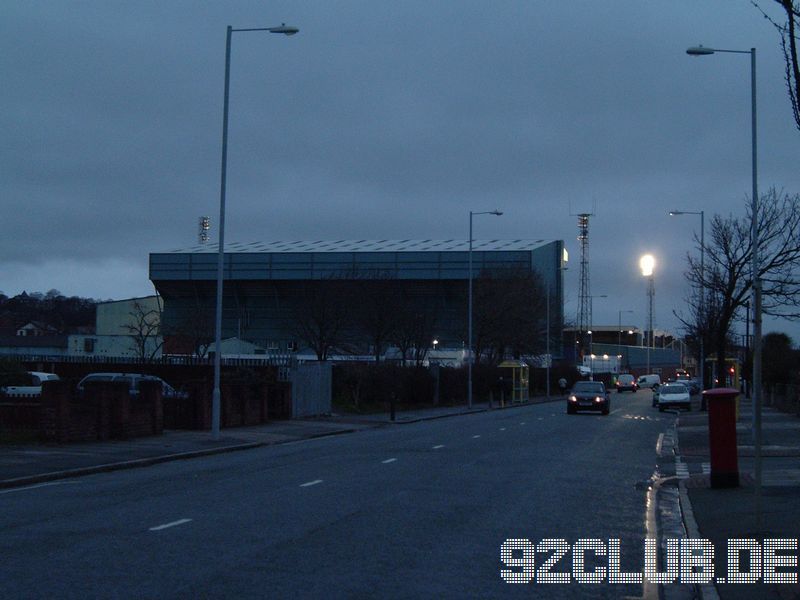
x: 20, y: 414
x: 103, y: 411
x: 249, y: 396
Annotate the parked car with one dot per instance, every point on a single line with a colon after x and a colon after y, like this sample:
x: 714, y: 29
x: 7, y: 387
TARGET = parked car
x: 133, y: 380
x: 649, y: 381
x: 588, y: 395
x: 627, y: 382
x: 672, y: 395
x: 34, y: 387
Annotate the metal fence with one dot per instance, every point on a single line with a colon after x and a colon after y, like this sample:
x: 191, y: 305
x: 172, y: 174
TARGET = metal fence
x: 311, y: 389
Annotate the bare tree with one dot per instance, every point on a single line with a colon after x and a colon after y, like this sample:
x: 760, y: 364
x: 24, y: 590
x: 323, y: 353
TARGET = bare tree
x: 144, y: 329
x: 321, y: 318
x: 727, y: 279
x: 788, y: 31
x: 509, y: 318
x: 414, y: 329
x: 378, y: 301
x: 701, y: 322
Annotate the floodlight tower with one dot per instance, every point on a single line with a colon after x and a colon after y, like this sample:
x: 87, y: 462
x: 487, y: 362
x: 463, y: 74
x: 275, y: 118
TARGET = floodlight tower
x: 647, y: 264
x: 584, y: 292
x: 203, y: 226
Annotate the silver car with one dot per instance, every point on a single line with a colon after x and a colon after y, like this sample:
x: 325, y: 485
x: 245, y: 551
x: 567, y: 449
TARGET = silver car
x: 673, y: 395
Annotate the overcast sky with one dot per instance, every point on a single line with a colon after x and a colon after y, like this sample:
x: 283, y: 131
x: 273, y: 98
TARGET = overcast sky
x: 382, y: 120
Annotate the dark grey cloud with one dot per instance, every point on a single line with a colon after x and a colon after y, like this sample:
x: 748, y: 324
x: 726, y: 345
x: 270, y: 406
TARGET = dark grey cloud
x: 379, y: 120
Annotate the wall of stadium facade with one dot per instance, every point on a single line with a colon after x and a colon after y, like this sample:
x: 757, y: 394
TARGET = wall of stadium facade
x: 267, y: 285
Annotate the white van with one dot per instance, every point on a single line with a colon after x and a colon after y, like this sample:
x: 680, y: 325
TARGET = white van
x: 649, y: 381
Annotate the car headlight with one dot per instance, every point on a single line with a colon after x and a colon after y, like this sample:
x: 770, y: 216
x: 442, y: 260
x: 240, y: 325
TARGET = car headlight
x: 599, y: 399
x: 573, y: 399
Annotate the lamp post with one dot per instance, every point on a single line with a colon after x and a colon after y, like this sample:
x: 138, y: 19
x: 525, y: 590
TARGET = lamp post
x: 215, y: 397
x: 703, y: 316
x: 755, y: 267
x: 647, y: 263
x: 469, y: 302
x: 619, y: 333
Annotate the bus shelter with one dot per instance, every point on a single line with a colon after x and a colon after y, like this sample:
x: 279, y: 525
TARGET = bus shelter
x: 519, y: 378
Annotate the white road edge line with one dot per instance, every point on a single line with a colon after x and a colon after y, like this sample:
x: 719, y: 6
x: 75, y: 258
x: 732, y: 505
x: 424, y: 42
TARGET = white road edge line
x: 388, y: 460
x: 173, y: 524
x: 38, y: 485
x: 310, y: 483
x: 439, y: 446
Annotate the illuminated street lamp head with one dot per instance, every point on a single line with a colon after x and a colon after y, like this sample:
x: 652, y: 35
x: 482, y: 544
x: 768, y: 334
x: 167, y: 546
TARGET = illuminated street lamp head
x: 647, y: 263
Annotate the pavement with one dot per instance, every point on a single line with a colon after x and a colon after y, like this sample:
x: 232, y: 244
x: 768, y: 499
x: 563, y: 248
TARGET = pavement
x: 31, y: 464
x: 723, y: 514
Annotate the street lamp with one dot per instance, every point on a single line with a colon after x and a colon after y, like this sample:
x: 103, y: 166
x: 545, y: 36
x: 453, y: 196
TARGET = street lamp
x: 647, y: 264
x: 755, y: 273
x: 703, y: 316
x: 215, y: 397
x: 469, y: 302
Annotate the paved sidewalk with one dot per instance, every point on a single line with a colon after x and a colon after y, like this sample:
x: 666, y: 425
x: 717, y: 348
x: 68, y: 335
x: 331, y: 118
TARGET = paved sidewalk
x: 723, y: 514
x: 36, y: 463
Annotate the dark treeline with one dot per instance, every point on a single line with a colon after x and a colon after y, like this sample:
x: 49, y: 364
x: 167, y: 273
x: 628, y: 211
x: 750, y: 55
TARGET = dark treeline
x: 61, y: 313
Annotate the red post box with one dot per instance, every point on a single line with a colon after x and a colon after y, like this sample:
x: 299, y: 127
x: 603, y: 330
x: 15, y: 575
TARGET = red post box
x: 722, y: 437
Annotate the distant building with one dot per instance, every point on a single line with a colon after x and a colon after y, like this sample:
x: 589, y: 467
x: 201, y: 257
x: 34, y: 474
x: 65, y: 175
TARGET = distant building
x: 116, y: 317
x: 123, y: 328
x: 265, y: 284
x: 30, y: 345
x: 36, y: 328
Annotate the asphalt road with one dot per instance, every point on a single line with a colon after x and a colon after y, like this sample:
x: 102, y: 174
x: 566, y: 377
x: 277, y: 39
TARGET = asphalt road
x: 408, y: 511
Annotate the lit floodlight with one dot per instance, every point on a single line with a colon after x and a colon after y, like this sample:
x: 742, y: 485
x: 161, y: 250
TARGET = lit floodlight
x: 647, y: 263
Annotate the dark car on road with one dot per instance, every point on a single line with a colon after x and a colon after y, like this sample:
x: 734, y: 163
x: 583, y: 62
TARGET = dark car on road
x: 627, y: 382
x: 588, y: 395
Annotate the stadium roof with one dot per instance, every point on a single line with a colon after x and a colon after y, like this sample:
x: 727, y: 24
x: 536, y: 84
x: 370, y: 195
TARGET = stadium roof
x: 370, y: 246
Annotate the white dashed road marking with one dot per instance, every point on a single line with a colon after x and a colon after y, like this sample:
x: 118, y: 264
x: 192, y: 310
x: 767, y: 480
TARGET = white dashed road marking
x: 172, y: 524
x: 475, y: 436
x: 310, y: 483
x: 388, y: 460
x: 439, y: 446
x: 38, y: 485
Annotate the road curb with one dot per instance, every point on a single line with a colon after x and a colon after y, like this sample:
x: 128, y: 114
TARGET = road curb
x: 153, y: 460
x: 708, y: 591
x: 474, y: 411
